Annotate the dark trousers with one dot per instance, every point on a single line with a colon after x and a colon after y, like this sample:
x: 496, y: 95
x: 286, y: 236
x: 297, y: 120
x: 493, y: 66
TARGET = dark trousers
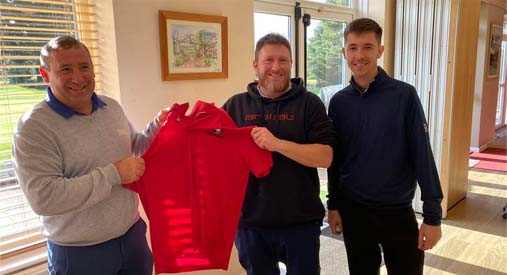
x: 297, y: 247
x: 367, y: 232
x: 126, y: 255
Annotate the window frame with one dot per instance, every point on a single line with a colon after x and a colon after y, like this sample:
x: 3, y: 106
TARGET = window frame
x: 283, y: 8
x: 319, y: 11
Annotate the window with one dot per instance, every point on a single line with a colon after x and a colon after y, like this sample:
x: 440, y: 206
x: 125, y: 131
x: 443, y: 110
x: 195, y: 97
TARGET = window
x: 277, y: 18
x: 343, y: 3
x: 319, y: 51
x: 25, y: 26
x: 326, y: 69
x: 266, y: 23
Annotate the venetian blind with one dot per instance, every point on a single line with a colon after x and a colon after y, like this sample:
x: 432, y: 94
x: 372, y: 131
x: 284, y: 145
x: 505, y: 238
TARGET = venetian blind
x: 25, y: 26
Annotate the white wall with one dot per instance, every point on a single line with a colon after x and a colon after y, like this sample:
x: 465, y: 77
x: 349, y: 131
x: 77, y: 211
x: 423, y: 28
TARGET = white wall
x: 143, y: 92
x: 384, y: 13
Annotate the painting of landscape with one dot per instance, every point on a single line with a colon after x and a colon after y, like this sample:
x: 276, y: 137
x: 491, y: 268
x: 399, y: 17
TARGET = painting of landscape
x: 194, y: 47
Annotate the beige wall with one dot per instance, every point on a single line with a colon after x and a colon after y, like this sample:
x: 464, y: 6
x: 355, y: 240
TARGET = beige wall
x: 384, y: 12
x: 108, y: 59
x: 479, y: 77
x: 486, y: 89
x: 490, y: 88
x: 143, y: 92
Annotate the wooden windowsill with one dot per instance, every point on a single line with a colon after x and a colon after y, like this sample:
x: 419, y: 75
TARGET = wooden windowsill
x: 6, y: 254
x: 24, y: 260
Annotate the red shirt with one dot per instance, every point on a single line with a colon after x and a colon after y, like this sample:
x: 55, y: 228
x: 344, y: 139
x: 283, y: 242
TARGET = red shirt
x: 197, y: 170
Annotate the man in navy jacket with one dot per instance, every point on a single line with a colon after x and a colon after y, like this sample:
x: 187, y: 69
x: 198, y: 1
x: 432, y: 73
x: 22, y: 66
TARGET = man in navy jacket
x: 383, y: 150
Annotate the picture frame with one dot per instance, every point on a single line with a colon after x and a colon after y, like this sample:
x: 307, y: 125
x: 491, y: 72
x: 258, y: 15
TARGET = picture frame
x: 192, y: 46
x: 494, y: 50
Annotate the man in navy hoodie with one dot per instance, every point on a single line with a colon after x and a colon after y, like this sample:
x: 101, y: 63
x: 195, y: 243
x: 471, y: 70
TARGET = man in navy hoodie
x: 282, y: 213
x: 383, y: 150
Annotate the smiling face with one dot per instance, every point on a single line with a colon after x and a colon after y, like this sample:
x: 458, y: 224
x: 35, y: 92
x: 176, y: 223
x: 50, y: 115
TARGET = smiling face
x: 71, y: 77
x: 273, y: 66
x: 361, y: 52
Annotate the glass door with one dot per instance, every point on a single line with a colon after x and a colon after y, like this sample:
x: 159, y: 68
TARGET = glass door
x: 326, y: 70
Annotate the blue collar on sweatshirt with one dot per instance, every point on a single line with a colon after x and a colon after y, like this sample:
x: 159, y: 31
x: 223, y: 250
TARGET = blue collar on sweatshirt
x: 64, y: 111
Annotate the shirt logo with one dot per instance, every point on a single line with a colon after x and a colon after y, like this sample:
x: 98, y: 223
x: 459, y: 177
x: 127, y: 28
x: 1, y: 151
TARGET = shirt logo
x: 272, y: 116
x: 217, y: 132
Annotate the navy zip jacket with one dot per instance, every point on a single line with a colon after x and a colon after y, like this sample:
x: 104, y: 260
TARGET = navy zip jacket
x: 383, y: 148
x: 289, y: 195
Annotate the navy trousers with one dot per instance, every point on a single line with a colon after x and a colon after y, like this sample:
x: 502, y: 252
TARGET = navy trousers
x: 260, y: 250
x: 126, y: 255
x: 369, y: 232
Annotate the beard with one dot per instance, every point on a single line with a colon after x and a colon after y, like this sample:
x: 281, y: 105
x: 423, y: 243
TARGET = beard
x: 274, y: 87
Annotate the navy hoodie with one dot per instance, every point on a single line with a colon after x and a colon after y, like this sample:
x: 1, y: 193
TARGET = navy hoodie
x: 383, y: 148
x: 289, y: 195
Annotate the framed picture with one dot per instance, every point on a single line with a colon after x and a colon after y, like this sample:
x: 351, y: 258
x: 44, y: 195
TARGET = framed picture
x: 192, y: 46
x: 494, y: 49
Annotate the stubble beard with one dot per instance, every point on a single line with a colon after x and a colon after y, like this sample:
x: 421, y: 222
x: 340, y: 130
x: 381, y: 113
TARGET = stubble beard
x: 274, y: 87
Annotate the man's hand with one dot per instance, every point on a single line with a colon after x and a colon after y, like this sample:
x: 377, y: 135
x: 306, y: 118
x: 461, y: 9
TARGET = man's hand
x: 162, y: 116
x: 335, y: 221
x: 429, y: 235
x: 264, y: 138
x: 130, y: 169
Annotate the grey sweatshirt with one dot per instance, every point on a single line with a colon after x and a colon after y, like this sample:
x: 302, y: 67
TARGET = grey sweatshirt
x: 65, y: 169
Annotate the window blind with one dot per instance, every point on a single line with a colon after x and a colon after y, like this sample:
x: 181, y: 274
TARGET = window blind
x: 25, y: 26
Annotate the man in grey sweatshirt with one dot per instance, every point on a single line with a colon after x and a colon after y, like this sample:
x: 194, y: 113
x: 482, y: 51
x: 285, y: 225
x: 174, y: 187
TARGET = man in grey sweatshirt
x: 73, y: 151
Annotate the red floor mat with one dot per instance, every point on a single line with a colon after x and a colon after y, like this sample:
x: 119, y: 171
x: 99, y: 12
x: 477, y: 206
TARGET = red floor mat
x: 491, y: 159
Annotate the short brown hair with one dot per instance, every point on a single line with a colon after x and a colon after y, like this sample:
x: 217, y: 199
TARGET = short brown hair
x: 59, y: 42
x: 363, y: 25
x: 272, y: 39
